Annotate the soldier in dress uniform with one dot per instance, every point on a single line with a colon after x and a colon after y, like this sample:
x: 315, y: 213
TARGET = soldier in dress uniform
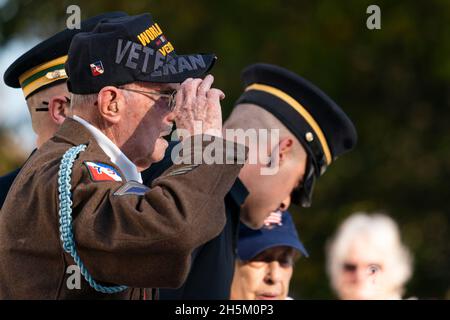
x: 313, y: 132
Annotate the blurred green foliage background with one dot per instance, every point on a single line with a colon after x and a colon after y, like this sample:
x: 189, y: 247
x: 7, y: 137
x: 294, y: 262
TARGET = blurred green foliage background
x: 394, y: 83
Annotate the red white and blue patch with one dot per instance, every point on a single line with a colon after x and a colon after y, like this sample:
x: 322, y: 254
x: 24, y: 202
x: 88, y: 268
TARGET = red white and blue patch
x: 102, y: 172
x: 97, y: 68
x: 160, y: 40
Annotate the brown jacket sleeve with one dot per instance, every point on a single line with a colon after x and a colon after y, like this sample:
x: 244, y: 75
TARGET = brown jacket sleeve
x: 146, y: 240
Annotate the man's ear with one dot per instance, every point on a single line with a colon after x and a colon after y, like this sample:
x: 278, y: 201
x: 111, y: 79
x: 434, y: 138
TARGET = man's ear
x: 281, y: 150
x: 57, y: 107
x: 110, y: 104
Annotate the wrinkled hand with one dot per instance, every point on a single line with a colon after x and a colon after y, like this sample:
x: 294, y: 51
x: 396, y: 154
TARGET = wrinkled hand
x: 198, y: 108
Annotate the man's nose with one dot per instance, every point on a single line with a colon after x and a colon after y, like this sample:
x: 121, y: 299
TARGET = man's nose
x: 284, y: 205
x: 273, y: 272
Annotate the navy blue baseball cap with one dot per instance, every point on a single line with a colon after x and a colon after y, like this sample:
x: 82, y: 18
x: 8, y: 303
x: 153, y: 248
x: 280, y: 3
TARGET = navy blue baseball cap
x: 252, y: 242
x: 43, y: 65
x: 125, y: 50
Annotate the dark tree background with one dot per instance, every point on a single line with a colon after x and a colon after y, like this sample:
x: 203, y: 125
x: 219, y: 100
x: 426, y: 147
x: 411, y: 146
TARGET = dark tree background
x: 394, y: 83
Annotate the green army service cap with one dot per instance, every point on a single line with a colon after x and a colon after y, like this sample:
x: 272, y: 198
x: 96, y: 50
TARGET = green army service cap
x: 43, y: 65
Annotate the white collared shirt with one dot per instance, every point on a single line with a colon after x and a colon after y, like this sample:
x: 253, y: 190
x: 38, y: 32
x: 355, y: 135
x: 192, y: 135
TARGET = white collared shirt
x: 116, y: 155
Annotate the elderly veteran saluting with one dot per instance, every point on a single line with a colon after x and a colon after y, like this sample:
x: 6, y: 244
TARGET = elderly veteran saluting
x: 78, y: 200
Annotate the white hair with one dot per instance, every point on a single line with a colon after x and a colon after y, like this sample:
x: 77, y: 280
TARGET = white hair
x: 77, y: 100
x: 87, y: 100
x: 382, y: 232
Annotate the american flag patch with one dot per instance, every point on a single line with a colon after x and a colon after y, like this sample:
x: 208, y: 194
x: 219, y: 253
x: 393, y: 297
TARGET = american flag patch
x: 273, y: 220
x: 102, y: 172
x: 160, y: 40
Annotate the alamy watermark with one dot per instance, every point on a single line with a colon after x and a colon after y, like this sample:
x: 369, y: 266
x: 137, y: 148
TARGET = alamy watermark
x: 73, y: 21
x: 373, y: 22
x: 202, y: 148
x: 74, y: 279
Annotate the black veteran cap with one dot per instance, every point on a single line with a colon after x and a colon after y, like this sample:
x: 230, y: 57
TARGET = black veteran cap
x: 43, y: 65
x: 318, y: 122
x: 128, y: 49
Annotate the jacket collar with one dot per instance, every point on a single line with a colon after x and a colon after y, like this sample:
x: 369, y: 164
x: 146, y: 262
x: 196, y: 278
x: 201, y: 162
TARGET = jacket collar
x: 68, y: 128
x: 87, y: 133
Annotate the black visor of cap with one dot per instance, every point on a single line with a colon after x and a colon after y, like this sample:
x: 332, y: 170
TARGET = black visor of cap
x: 126, y: 50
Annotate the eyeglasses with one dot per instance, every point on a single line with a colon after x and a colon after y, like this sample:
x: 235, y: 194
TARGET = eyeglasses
x: 284, y: 262
x: 285, y: 257
x: 170, y: 96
